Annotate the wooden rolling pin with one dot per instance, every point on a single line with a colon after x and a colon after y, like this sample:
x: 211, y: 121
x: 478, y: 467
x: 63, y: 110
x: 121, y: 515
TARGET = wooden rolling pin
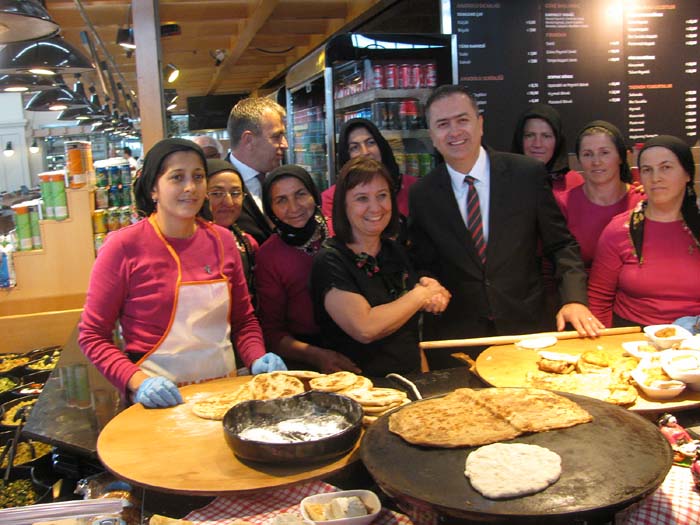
x: 512, y: 339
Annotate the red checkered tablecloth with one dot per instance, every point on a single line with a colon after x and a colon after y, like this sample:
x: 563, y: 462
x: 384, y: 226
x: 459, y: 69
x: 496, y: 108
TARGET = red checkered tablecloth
x: 676, y: 501
x: 260, y: 508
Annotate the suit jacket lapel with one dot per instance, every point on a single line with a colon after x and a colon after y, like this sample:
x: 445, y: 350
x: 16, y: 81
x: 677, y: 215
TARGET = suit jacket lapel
x: 498, y: 206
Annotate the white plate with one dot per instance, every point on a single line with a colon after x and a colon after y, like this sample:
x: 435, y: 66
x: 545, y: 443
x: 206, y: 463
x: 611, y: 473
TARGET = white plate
x: 633, y: 348
x: 536, y: 343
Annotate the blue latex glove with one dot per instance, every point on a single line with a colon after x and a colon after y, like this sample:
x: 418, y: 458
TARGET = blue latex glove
x: 158, y: 392
x: 268, y: 363
x: 690, y: 323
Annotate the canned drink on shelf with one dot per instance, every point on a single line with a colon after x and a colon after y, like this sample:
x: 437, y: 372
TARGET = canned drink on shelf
x: 379, y: 114
x: 58, y: 192
x: 411, y: 114
x: 113, y: 219
x: 47, y: 195
x: 393, y: 120
x: 99, y: 221
x: 101, y: 177
x: 124, y: 216
x: 426, y: 163
x: 115, y: 175
x: 391, y: 74
x: 115, y: 196
x: 78, y: 162
x: 101, y: 198
x: 404, y: 80
x: 400, y: 161
x: 430, y: 74
x: 417, y: 76
x: 23, y: 227
x: 99, y: 240
x: 403, y: 115
x: 412, y: 164
x: 34, y: 225
x: 126, y: 199
x: 125, y: 170
x: 377, y: 76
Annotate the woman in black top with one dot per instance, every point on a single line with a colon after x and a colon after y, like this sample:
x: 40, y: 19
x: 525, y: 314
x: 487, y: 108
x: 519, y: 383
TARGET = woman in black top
x: 366, y: 294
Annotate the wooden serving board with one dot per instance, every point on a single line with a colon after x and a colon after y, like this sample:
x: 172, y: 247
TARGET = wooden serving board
x: 508, y: 365
x: 172, y: 450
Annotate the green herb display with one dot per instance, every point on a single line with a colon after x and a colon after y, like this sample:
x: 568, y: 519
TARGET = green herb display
x: 18, y: 493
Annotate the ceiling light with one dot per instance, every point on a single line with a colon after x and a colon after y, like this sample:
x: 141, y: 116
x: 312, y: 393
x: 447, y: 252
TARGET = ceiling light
x: 22, y: 20
x: 125, y: 38
x: 43, y: 57
x: 171, y: 73
x: 56, y: 99
x: 34, y: 148
x: 8, y: 150
x: 20, y: 83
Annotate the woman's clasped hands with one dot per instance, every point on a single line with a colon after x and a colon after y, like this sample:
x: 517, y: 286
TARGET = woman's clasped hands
x: 437, y: 297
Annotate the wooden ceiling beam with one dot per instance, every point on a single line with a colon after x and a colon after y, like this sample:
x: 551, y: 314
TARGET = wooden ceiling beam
x: 262, y: 12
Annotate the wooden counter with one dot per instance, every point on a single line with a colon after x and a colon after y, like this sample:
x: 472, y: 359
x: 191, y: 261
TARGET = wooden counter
x: 172, y: 450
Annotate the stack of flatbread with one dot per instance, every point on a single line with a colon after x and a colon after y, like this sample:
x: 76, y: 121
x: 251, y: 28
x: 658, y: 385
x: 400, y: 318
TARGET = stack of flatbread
x: 261, y: 386
x: 467, y: 417
x: 374, y: 401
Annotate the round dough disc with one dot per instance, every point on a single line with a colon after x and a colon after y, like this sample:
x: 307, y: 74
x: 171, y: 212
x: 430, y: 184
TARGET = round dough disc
x: 536, y: 343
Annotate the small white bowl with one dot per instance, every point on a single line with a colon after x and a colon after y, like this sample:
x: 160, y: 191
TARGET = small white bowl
x: 666, y: 342
x: 683, y: 365
x: 640, y: 349
x: 692, y: 343
x: 673, y: 388
x: 368, y: 497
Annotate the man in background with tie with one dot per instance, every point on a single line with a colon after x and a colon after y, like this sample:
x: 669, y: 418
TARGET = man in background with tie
x: 475, y: 223
x: 256, y: 129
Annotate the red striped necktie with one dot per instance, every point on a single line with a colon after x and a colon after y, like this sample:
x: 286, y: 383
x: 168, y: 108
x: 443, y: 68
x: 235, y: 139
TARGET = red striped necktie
x: 474, y: 223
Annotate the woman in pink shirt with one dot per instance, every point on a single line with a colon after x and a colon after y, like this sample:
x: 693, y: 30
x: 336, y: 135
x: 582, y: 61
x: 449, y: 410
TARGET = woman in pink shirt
x: 606, y: 191
x: 647, y: 264
x: 175, y: 284
x: 283, y: 267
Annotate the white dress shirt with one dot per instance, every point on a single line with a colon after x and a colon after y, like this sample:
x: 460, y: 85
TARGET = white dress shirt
x: 250, y: 179
x: 481, y: 172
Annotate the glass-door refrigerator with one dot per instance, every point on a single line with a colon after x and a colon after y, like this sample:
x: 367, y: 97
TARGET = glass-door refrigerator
x: 385, y: 78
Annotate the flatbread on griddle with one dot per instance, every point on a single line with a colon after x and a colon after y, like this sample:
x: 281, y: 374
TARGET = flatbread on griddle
x: 469, y: 417
x: 533, y: 410
x: 455, y: 420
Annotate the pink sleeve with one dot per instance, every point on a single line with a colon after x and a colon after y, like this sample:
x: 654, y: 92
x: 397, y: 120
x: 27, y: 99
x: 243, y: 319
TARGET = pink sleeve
x: 561, y: 198
x: 106, y: 293
x: 602, y: 283
x: 327, y: 202
x: 272, y: 299
x: 245, y: 328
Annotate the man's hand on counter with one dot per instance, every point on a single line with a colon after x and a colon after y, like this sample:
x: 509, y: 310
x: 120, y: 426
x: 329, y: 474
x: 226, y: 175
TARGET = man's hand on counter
x: 158, y: 392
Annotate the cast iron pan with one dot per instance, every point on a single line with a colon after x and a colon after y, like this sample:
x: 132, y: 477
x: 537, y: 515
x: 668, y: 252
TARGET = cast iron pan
x: 607, y: 464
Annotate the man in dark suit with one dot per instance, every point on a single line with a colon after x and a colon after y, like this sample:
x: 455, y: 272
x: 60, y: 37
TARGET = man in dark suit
x: 492, y: 270
x: 256, y: 129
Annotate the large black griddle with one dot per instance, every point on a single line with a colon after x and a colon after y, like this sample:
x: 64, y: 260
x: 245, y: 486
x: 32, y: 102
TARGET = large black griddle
x: 607, y: 464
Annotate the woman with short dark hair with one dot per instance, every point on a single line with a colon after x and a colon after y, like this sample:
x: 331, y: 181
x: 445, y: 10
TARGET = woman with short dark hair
x: 366, y: 295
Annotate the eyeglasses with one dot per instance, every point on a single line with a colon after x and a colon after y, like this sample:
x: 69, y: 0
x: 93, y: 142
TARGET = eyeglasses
x: 220, y: 195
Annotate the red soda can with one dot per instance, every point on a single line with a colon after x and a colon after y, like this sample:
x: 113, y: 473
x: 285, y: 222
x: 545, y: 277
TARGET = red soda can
x: 403, y: 115
x: 417, y: 76
x: 377, y: 76
x: 405, y: 76
x: 429, y: 75
x: 391, y: 74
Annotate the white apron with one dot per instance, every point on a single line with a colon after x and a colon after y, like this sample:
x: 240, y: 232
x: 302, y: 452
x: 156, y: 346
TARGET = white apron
x: 196, y: 346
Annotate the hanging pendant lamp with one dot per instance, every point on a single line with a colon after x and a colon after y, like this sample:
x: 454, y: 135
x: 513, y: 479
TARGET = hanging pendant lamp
x: 44, y: 57
x: 56, y: 99
x: 11, y: 83
x: 23, y: 20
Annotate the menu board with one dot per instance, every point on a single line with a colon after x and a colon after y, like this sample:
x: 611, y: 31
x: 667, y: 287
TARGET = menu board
x: 635, y: 67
